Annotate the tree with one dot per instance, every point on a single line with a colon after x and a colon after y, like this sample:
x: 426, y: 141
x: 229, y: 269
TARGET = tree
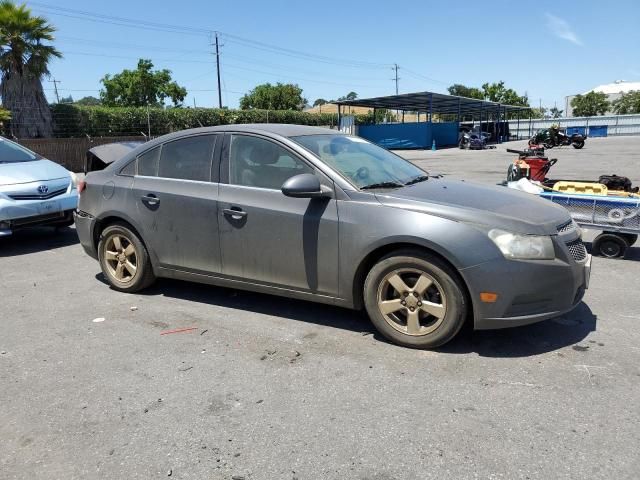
x: 274, y: 97
x: 24, y: 60
x: 590, y: 105
x: 555, y: 112
x: 497, y: 92
x: 464, y: 91
x: 89, y: 101
x: 68, y: 99
x: 349, y: 96
x: 140, y: 87
x: 320, y: 101
x: 628, y: 103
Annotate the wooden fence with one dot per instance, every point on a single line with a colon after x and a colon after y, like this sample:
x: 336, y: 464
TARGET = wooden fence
x: 70, y: 152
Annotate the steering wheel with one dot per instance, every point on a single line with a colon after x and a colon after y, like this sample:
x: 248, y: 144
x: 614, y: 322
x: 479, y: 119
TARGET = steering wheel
x: 361, y: 174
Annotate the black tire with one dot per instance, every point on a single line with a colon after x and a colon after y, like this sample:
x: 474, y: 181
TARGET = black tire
x: 449, y: 290
x: 578, y: 144
x: 548, y: 145
x: 143, y: 276
x: 610, y: 245
x: 631, y: 238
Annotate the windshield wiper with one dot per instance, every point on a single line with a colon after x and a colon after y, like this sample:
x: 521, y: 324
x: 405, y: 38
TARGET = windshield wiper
x: 418, y: 179
x: 382, y: 185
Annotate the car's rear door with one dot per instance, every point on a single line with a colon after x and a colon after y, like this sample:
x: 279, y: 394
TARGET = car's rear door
x: 266, y: 237
x: 176, y: 194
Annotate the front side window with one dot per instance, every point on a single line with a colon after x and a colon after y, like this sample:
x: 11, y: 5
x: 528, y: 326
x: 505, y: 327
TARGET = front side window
x: 362, y: 163
x: 256, y: 162
x: 12, y: 152
x: 188, y: 158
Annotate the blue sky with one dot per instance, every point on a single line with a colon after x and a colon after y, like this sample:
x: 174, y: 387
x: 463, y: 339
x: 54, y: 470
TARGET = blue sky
x: 548, y: 49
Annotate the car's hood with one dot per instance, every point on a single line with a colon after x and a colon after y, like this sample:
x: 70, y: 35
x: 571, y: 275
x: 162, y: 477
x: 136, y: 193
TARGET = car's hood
x: 493, y: 206
x: 25, y: 172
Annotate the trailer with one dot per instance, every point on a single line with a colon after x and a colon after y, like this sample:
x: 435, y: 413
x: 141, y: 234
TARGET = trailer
x: 618, y: 217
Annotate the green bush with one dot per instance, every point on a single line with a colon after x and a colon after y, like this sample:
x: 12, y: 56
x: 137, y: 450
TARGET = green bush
x: 99, y: 121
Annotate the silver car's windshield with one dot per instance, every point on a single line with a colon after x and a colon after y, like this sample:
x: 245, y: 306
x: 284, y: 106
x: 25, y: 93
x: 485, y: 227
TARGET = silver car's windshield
x: 12, y: 152
x: 364, y: 164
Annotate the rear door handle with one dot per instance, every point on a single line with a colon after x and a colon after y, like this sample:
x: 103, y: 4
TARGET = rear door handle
x: 235, y: 212
x: 150, y: 199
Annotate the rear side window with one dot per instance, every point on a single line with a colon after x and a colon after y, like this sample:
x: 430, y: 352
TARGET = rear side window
x: 187, y: 158
x: 129, y: 169
x: 148, y: 163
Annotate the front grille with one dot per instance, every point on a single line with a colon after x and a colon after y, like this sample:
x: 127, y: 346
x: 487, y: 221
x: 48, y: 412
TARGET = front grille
x: 577, y: 250
x: 566, y: 227
x: 45, y: 196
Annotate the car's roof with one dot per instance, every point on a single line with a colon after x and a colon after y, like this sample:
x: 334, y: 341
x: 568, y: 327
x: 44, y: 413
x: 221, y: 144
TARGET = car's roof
x: 283, y: 129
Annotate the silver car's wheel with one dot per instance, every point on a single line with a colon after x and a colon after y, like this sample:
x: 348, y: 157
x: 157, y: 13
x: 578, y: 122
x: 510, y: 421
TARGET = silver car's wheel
x: 412, y: 301
x: 124, y: 259
x: 415, y: 299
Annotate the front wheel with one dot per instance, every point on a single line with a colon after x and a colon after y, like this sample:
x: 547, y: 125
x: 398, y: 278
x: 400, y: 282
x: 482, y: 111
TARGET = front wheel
x: 415, y: 299
x: 578, y: 144
x: 124, y: 259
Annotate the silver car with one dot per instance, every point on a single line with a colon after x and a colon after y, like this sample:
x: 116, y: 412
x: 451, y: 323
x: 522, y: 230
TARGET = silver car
x: 310, y: 213
x: 33, y: 190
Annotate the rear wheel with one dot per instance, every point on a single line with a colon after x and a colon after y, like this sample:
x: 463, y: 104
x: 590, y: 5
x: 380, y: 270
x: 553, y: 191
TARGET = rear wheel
x: 124, y: 259
x: 610, y: 245
x: 578, y: 144
x: 415, y: 299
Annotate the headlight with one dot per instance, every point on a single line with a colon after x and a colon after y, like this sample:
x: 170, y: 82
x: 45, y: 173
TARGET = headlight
x: 74, y: 181
x: 523, y: 247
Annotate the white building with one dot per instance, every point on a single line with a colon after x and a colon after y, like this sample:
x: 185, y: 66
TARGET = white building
x: 613, y: 91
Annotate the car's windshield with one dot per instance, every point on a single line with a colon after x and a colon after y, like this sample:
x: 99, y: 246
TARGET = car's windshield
x: 362, y: 163
x: 12, y: 152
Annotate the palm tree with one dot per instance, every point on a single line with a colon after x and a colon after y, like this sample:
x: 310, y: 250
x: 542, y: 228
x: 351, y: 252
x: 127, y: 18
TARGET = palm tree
x: 23, y: 63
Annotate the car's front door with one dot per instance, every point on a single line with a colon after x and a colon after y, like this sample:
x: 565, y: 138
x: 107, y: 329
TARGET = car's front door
x: 176, y: 197
x: 266, y: 237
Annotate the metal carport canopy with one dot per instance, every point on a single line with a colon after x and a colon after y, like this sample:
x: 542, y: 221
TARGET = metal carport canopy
x: 436, y: 103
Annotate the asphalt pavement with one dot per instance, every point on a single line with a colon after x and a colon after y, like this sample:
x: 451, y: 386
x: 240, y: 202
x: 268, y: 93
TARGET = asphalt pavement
x: 261, y: 387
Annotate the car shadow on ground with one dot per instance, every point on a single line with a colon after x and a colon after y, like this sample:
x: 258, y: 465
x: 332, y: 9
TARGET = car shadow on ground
x: 538, y: 338
x: 535, y: 339
x: 264, y: 304
x: 39, y: 239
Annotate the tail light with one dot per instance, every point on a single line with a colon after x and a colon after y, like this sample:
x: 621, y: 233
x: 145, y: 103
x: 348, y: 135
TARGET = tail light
x: 82, y: 185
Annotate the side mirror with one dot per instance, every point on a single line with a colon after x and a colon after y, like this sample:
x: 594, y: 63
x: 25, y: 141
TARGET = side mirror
x: 304, y: 185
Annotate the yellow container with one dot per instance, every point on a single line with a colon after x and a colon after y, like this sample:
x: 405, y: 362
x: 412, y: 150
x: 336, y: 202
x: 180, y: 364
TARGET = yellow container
x: 581, y: 187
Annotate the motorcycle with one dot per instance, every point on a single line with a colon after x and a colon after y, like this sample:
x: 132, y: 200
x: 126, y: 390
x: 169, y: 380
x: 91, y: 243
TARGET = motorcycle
x: 543, y: 137
x: 472, y: 141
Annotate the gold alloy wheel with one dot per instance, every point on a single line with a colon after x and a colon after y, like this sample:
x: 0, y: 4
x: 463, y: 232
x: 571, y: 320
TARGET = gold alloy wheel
x: 120, y: 258
x: 412, y: 301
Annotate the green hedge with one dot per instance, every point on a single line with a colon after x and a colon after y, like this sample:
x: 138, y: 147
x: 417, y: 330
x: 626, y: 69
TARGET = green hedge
x: 79, y: 121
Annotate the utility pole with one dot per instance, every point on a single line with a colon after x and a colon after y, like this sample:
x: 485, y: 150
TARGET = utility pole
x: 395, y: 67
x: 218, y: 72
x: 55, y: 87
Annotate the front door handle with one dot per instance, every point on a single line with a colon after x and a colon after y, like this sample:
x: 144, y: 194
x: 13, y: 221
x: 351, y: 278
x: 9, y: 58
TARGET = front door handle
x: 235, y: 212
x: 150, y: 199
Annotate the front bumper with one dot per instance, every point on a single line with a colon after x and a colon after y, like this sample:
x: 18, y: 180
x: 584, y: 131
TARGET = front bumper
x: 528, y: 291
x: 23, y: 213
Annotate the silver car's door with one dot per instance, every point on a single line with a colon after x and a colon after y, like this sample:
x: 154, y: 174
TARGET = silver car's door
x: 176, y: 194
x: 269, y: 238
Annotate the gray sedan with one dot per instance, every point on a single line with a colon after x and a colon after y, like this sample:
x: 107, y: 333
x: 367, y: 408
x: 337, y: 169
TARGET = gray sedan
x: 310, y: 213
